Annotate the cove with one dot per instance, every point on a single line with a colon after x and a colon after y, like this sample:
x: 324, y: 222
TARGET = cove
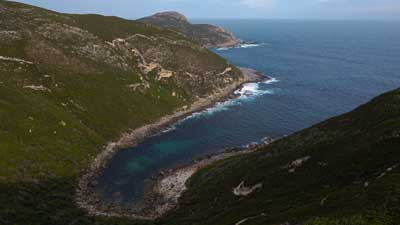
x: 320, y: 71
x: 126, y: 177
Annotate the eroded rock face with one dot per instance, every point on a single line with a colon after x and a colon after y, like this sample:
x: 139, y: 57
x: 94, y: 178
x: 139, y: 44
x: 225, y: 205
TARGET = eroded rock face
x: 172, y: 14
x: 206, y: 35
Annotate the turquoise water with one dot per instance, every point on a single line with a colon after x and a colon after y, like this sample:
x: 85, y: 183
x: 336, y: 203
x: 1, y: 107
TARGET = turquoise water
x: 321, y: 69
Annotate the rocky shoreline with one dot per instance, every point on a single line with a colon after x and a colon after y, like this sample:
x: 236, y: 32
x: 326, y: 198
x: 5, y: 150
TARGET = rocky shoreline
x: 169, y: 185
x: 87, y: 199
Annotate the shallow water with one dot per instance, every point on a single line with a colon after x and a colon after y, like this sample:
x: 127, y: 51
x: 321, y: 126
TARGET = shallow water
x: 321, y: 69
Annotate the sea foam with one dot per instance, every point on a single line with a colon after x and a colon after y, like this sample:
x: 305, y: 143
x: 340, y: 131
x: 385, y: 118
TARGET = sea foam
x: 245, y: 45
x: 270, y: 81
x: 248, y: 92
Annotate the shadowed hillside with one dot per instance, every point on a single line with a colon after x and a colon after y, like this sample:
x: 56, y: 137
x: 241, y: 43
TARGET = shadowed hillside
x: 345, y: 170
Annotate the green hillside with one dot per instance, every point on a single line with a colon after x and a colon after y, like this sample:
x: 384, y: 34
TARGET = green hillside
x: 71, y: 83
x: 343, y: 171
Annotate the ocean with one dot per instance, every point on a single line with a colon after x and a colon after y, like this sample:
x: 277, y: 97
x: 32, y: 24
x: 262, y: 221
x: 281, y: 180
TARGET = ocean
x: 320, y: 69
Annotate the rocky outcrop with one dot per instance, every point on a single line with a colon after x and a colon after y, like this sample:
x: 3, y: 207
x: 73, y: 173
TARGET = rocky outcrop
x: 172, y: 15
x: 242, y: 190
x: 205, y: 34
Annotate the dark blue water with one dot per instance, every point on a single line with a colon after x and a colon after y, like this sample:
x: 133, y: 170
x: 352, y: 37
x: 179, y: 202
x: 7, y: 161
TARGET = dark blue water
x: 324, y: 69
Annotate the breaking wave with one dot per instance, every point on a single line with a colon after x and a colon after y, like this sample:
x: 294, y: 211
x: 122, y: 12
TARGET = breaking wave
x: 248, y: 92
x: 270, y: 81
x: 245, y: 45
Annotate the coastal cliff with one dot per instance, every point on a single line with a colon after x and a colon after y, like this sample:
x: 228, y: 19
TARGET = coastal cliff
x: 205, y: 34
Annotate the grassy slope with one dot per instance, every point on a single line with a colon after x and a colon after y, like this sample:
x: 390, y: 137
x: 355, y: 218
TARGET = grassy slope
x: 346, y: 152
x: 46, y: 138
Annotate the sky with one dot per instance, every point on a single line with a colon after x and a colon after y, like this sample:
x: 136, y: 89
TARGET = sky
x: 267, y: 9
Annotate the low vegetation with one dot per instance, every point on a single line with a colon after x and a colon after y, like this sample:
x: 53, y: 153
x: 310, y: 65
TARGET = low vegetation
x: 345, y: 170
x: 71, y: 83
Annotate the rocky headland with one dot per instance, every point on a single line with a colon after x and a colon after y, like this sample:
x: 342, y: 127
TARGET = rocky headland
x: 209, y: 36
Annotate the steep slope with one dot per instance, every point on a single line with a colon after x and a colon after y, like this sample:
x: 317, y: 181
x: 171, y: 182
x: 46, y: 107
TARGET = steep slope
x: 71, y: 83
x: 207, y: 35
x: 345, y: 170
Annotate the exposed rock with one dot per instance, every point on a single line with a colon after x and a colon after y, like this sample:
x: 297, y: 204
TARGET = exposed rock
x: 37, y: 88
x: 227, y: 70
x: 207, y: 35
x: 15, y: 60
x: 242, y: 190
x: 165, y: 74
x: 296, y: 164
x: 147, y: 68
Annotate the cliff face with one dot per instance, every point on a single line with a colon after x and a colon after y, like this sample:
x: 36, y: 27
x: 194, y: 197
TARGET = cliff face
x: 71, y: 83
x: 206, y: 35
x: 345, y: 170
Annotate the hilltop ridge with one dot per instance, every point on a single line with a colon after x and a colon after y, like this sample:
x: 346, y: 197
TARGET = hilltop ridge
x: 205, y: 34
x: 172, y: 14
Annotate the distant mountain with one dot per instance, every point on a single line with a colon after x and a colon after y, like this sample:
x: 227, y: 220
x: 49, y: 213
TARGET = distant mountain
x: 343, y: 171
x: 206, y: 35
